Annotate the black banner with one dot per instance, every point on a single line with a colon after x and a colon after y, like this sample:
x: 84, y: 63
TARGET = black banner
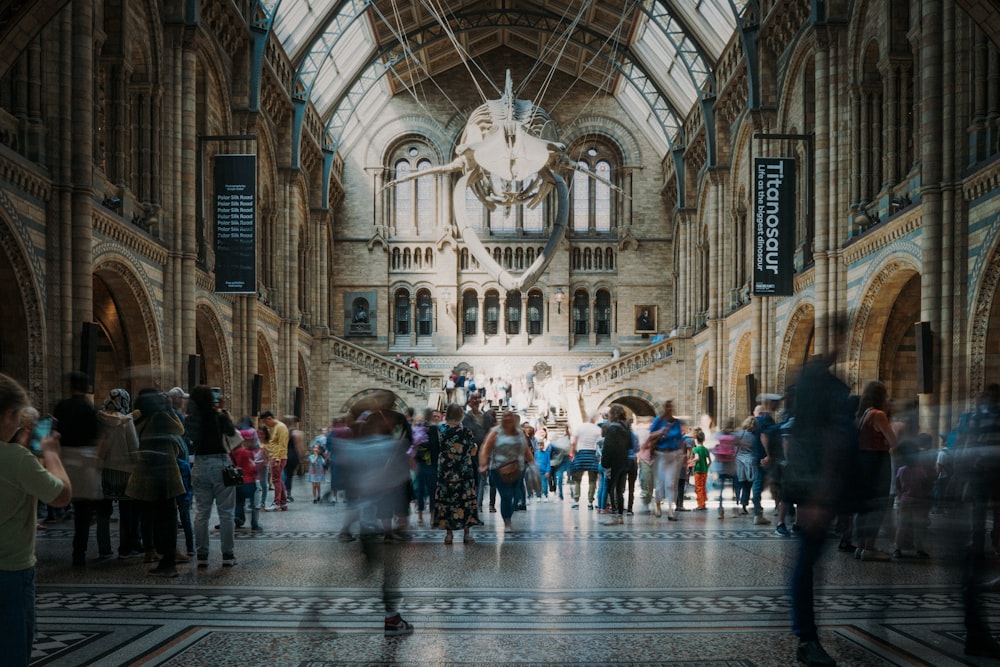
x: 774, y: 226
x: 236, y: 224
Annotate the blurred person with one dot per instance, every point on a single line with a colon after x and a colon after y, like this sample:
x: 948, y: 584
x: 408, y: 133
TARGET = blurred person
x: 243, y: 457
x: 876, y: 444
x: 317, y: 471
x: 543, y: 459
x: 76, y: 421
x: 426, y: 440
x: 768, y: 435
x: 644, y: 463
x: 262, y: 462
x: 296, y: 455
x: 210, y: 457
x: 376, y: 475
x: 978, y: 463
x: 455, y: 503
x: 668, y: 458
x: 559, y: 463
x: 702, y: 461
x: 118, y: 450
x: 818, y: 459
x: 914, y: 489
x: 277, y: 456
x: 25, y: 479
x: 503, y: 456
x: 725, y: 454
x: 521, y: 490
x: 183, y: 503
x: 746, y: 461
x: 480, y: 423
x: 583, y: 458
x: 614, y: 459
x: 156, y: 479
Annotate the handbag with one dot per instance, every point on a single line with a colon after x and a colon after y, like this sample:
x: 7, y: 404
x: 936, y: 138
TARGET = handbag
x: 84, y: 471
x: 510, y: 472
x: 532, y: 478
x: 232, y: 475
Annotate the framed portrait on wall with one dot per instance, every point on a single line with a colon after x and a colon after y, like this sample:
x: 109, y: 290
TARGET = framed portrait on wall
x: 645, y: 319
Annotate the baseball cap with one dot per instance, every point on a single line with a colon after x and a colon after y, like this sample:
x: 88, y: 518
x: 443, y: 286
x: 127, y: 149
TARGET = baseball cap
x: 177, y: 391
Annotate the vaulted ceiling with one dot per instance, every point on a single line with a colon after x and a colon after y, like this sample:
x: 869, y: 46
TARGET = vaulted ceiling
x: 656, y: 56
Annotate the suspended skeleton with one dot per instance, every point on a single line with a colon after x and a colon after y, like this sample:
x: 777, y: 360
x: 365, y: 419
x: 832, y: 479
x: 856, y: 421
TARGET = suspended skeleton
x: 509, y: 155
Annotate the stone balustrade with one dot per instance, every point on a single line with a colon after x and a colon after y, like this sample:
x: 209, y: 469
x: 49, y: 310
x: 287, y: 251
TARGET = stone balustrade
x: 617, y: 370
x: 395, y: 374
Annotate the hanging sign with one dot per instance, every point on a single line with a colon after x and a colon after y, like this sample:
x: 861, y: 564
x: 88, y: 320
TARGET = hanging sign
x: 774, y: 226
x: 236, y: 224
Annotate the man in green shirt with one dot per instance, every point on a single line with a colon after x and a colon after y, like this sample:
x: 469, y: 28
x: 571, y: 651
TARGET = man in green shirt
x: 24, y: 480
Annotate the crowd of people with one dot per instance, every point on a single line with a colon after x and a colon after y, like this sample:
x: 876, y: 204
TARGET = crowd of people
x: 836, y: 462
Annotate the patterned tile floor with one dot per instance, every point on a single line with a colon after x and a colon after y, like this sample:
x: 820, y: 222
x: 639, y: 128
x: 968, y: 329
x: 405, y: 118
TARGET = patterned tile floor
x: 563, y: 589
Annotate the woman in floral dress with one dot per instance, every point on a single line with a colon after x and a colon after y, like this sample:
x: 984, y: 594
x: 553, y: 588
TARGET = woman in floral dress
x: 455, y: 505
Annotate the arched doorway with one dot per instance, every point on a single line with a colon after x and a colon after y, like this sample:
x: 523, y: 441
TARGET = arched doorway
x: 882, y: 345
x: 739, y: 397
x: 210, y: 339
x: 22, y: 327
x: 984, y: 327
x: 797, y: 346
x: 266, y: 369
x: 128, y: 348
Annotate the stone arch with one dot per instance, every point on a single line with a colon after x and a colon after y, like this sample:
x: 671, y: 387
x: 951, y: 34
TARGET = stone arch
x: 404, y: 128
x: 739, y: 399
x: 304, y: 417
x: 984, y: 323
x: 211, y: 340
x: 797, y: 345
x: 23, y: 331
x: 878, y: 309
x: 124, y: 310
x: 266, y: 367
x: 609, y: 130
x: 640, y: 403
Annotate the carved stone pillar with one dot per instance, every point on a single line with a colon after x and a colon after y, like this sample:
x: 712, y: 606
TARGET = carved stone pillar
x: 82, y: 166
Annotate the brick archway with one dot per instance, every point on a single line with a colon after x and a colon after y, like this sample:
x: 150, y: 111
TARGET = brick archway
x: 797, y: 345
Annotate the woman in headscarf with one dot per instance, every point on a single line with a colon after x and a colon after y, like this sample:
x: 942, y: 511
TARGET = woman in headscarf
x: 118, y: 449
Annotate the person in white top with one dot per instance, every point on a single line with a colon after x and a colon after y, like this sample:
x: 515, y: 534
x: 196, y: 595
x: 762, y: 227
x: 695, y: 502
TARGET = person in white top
x: 583, y: 454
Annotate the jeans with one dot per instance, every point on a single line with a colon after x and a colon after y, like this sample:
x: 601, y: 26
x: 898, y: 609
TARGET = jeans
x: 506, y: 491
x: 481, y: 490
x: 129, y: 539
x: 591, y: 486
x: 206, y: 477
x: 161, y: 518
x: 803, y: 614
x: 645, y: 482
x: 602, y: 490
x: 248, y: 491
x: 558, y: 473
x: 184, y: 512
x: 17, y: 616
x: 426, y: 483
x: 758, y: 487
x: 631, y: 476
x: 617, y: 484
x: 280, y: 495
x: 82, y: 512
x: 288, y: 475
x: 667, y: 466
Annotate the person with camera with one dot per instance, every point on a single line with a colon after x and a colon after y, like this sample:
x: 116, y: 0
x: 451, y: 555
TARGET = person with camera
x: 207, y: 425
x: 25, y: 480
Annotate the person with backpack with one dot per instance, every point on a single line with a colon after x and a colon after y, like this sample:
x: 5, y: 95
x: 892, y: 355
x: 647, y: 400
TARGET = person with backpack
x: 725, y: 453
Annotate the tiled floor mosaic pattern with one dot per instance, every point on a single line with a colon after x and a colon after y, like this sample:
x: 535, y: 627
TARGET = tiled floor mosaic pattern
x: 563, y: 589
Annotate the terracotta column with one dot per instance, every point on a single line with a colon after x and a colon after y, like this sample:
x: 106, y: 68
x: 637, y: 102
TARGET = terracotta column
x: 82, y: 166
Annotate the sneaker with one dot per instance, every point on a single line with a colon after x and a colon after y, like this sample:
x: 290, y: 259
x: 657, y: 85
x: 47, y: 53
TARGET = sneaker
x: 782, y: 530
x: 181, y: 558
x: 396, y: 626
x: 590, y: 506
x: 813, y: 655
x: 169, y: 572
x: 256, y: 529
x: 492, y: 508
x: 574, y: 506
x: 629, y: 513
x: 656, y: 509
x: 272, y: 508
x: 874, y: 555
x: 283, y: 508
x: 228, y: 560
x: 345, y: 537
x: 846, y: 546
x: 761, y: 520
x: 897, y: 554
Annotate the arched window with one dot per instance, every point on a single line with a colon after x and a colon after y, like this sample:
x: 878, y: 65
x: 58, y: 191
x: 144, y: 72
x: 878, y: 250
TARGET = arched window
x: 602, y: 197
x: 407, y: 259
x: 581, y: 313
x: 429, y: 258
x: 602, y: 313
x: 508, y: 258
x: 491, y: 319
x: 463, y: 259
x: 404, y: 199
x: 598, y: 259
x: 588, y: 259
x: 581, y: 199
x: 418, y: 259
x: 402, y: 313
x: 397, y: 259
x: 577, y: 262
x: 519, y: 259
x: 535, y: 306
x: 514, y: 312
x: 609, y: 259
x: 593, y: 197
x: 425, y: 198
x: 470, y: 313
x: 425, y: 313
x: 498, y: 255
